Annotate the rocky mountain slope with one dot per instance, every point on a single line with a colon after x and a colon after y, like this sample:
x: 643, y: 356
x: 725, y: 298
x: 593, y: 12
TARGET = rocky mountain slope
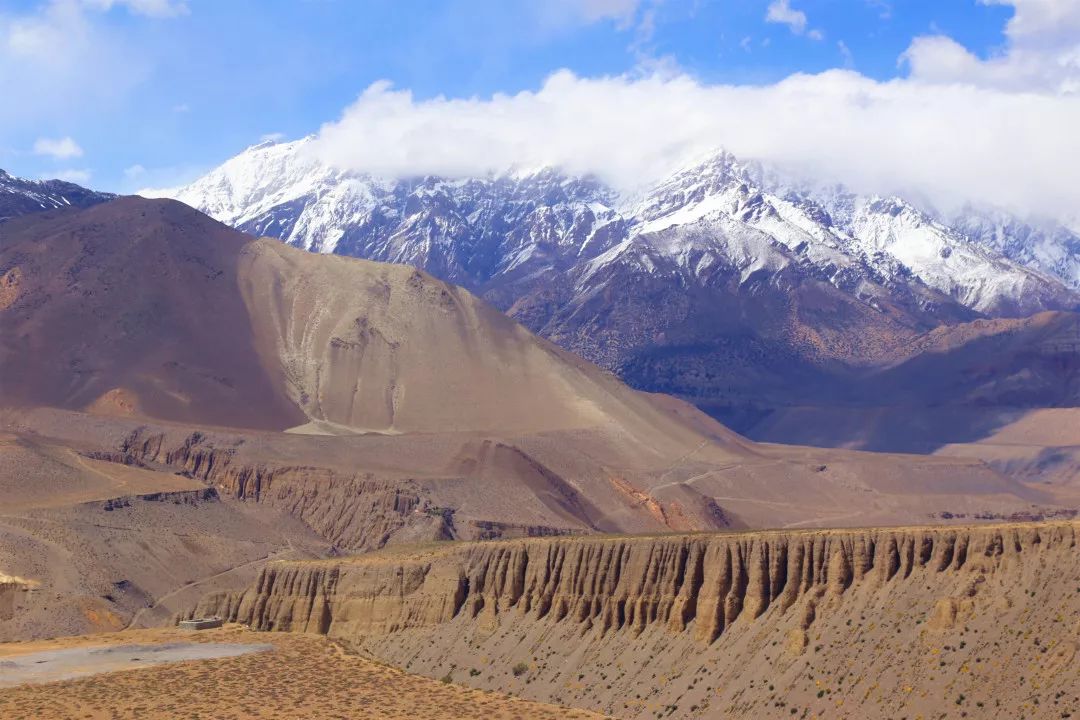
x: 114, y: 308
x: 424, y: 383
x: 117, y: 314
x: 1053, y: 247
x: 873, y: 623
x: 19, y: 196
x: 154, y: 356
x: 111, y: 521
x: 718, y: 284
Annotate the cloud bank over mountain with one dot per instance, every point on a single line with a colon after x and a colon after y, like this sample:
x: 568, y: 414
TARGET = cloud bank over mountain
x: 955, y: 129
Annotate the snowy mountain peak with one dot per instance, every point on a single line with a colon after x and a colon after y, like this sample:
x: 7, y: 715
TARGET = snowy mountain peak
x: 717, y: 211
x: 897, y: 208
x: 1052, y: 247
x: 19, y: 196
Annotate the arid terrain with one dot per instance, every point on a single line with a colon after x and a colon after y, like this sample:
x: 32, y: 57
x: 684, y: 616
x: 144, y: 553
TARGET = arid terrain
x: 301, y: 676
x: 345, y: 405
x: 540, y: 360
x: 97, y: 545
x: 979, y: 621
x: 194, y: 422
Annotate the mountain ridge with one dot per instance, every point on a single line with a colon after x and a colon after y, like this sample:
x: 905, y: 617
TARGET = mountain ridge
x: 165, y: 376
x: 280, y: 189
x: 19, y: 196
x: 720, y: 284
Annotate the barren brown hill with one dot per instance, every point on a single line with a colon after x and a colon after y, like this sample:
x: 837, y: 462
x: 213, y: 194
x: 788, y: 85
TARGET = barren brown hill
x: 873, y: 623
x: 132, y: 307
x: 149, y: 308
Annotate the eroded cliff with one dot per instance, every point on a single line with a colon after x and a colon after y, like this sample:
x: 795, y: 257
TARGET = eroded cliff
x: 353, y: 511
x: 833, y: 623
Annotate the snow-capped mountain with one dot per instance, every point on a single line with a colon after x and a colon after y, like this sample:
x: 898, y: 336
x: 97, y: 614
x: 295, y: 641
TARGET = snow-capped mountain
x: 19, y: 196
x: 472, y: 231
x: 1052, y: 247
x: 710, y: 277
x: 895, y: 235
x: 944, y: 258
x: 465, y: 231
x: 719, y: 194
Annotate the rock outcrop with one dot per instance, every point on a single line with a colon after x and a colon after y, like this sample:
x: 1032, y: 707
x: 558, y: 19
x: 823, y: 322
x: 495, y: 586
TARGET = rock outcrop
x: 622, y: 584
x: 12, y: 594
x: 179, y: 497
x: 619, y: 609
x: 351, y: 511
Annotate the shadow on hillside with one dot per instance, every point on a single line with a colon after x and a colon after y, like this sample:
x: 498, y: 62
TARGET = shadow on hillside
x: 921, y: 430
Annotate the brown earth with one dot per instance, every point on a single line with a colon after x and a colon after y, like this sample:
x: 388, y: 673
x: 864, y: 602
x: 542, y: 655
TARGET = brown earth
x: 151, y: 306
x: 125, y: 296
x: 121, y: 522
x: 152, y: 358
x: 301, y: 677
x: 96, y: 544
x: 1038, y: 446
x: 979, y: 621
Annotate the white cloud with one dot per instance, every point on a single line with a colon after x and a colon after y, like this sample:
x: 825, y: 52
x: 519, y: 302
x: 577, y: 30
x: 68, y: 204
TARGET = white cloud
x: 959, y: 128
x: 780, y: 11
x: 1042, y: 51
x: 554, y: 14
x: 54, y: 27
x: 884, y: 8
x: 55, y: 61
x: 82, y: 177
x: 134, y: 172
x: 948, y: 143
x: 149, y: 8
x: 620, y: 10
x: 1047, y: 21
x: 59, y: 148
x: 845, y: 52
x: 181, y: 108
x: 57, y: 57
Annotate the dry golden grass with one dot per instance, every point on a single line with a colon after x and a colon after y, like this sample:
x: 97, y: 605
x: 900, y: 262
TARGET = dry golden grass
x: 303, y: 677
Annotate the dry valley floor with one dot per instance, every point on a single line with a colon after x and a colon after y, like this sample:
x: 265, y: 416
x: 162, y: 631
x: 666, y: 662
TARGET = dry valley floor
x: 303, y: 676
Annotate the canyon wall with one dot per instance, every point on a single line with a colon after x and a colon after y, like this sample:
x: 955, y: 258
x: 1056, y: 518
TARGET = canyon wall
x: 830, y: 623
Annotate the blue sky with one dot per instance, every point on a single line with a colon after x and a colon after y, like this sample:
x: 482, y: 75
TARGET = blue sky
x: 952, y: 100
x: 183, y: 86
